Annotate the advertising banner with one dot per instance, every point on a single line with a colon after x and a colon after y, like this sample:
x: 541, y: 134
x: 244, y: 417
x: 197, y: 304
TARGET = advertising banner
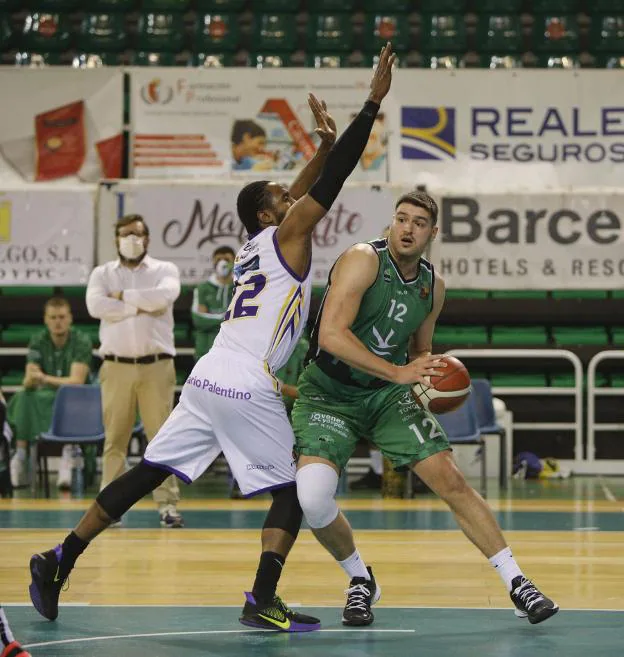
x: 499, y: 131
x: 243, y: 123
x: 46, y: 236
x: 60, y: 123
x: 538, y: 241
x: 187, y: 222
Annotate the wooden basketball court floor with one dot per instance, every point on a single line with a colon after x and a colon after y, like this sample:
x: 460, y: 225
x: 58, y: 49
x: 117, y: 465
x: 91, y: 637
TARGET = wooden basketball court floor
x: 146, y: 591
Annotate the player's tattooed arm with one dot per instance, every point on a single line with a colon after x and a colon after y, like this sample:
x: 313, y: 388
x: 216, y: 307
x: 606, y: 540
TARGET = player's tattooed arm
x: 421, y: 341
x: 326, y: 130
x: 355, y: 271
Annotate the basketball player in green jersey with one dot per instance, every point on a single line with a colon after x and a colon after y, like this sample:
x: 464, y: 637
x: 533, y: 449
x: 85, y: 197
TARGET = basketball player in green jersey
x: 372, y: 339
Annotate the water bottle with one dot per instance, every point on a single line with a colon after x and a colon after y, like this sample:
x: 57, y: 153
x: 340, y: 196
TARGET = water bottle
x: 77, y: 483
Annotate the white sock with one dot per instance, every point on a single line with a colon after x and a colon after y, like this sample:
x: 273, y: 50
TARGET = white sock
x: 20, y: 454
x: 354, y: 566
x: 376, y: 463
x: 506, y: 566
x: 5, y: 630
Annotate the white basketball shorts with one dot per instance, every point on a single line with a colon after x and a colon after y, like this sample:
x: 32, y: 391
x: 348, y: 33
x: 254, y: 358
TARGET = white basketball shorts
x: 229, y: 404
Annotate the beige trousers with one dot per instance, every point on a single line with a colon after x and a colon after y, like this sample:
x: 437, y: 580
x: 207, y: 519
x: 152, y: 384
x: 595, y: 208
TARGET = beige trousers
x: 125, y: 385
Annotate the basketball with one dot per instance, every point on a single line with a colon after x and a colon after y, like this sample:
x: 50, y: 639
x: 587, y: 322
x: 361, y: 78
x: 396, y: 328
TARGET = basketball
x: 447, y: 392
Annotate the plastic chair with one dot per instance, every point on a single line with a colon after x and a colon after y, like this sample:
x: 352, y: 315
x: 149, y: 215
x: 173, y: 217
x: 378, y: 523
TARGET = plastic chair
x: 160, y: 32
x: 443, y: 33
x: 275, y: 32
x: 499, y: 33
x: 6, y: 33
x: 556, y: 33
x: 606, y: 33
x: 486, y: 419
x: 383, y: 27
x: 76, y: 419
x: 45, y: 32
x: 102, y: 33
x: 330, y: 33
x: 462, y: 428
x: 216, y: 33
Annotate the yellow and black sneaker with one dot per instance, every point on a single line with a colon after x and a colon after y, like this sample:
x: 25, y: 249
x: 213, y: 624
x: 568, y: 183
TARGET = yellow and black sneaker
x: 276, y: 616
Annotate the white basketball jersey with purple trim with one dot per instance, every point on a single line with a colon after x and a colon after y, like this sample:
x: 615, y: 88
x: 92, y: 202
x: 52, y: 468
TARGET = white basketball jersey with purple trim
x: 270, y: 307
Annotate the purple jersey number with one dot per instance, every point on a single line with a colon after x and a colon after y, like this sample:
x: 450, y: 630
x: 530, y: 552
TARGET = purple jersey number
x: 247, y: 291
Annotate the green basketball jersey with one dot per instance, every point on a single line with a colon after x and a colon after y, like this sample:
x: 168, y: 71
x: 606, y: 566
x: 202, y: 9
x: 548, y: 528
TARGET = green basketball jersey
x: 391, y: 310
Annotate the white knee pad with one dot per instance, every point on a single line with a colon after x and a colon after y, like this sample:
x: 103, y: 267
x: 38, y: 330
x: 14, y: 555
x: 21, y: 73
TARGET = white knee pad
x: 316, y: 487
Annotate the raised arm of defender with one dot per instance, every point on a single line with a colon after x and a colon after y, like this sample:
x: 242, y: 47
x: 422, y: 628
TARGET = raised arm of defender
x: 354, y: 272
x: 294, y: 233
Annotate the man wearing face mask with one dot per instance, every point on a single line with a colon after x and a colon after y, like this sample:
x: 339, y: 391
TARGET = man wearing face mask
x: 211, y: 299
x: 133, y: 298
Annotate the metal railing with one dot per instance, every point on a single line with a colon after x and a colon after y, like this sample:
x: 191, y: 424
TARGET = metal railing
x: 577, y: 390
x: 592, y: 392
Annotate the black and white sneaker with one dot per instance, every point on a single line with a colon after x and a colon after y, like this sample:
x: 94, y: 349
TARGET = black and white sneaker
x: 362, y: 594
x: 530, y: 602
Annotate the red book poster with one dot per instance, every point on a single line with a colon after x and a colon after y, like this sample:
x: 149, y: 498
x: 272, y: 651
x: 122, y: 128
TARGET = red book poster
x: 110, y: 152
x: 60, y: 142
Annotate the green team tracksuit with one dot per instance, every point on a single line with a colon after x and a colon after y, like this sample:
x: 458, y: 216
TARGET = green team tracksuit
x: 338, y: 404
x: 216, y: 298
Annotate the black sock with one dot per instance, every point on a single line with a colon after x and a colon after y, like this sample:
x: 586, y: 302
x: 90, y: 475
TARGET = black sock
x: 267, y: 576
x: 73, y: 547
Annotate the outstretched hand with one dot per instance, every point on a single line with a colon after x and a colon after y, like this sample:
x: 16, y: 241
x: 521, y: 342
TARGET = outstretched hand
x: 325, y: 124
x: 382, y: 78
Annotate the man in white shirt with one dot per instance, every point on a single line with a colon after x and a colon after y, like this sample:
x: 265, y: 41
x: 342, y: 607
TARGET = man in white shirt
x: 133, y: 298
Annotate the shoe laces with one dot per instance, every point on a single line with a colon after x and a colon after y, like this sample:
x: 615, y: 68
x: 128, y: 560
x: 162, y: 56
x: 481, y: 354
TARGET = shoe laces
x: 528, y: 594
x: 358, y: 597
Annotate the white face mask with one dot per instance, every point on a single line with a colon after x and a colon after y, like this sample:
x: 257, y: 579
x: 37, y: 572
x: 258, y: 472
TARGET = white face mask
x: 131, y: 247
x: 223, y: 268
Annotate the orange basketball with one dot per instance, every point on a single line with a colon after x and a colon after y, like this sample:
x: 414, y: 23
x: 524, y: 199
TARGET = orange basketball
x: 447, y: 392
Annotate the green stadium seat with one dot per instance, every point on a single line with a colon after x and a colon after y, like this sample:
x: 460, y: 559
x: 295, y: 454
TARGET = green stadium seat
x: 212, y: 60
x: 10, y: 5
x: 111, y: 5
x: 607, y: 6
x: 33, y: 59
x: 331, y: 6
x: 555, y: 6
x: 19, y: 334
x: 383, y: 27
x: 558, y: 61
x: 519, y: 335
x: 556, y: 33
x: 220, y: 5
x: 326, y: 60
x: 579, y: 294
x: 12, y: 378
x: 96, y: 59
x: 607, y: 34
x: 500, y: 61
x: 6, y: 33
x: 498, y: 6
x: 329, y: 32
x: 164, y: 6
x: 617, y: 294
x: 616, y: 380
x: 160, y: 32
x: 443, y: 33
x: 27, y: 291
x: 180, y: 333
x: 73, y: 291
x: 216, y: 33
x: 499, y: 33
x: 618, y: 336
x: 270, y: 60
x: 92, y: 330
x: 392, y: 6
x: 460, y: 335
x: 275, y: 32
x: 467, y: 294
x: 102, y: 33
x: 580, y: 335
x: 144, y: 58
x: 45, y: 32
x: 443, y: 62
x: 57, y: 5
x: 518, y: 380
x: 562, y: 380
x: 519, y: 294
x: 276, y: 6
x: 443, y: 6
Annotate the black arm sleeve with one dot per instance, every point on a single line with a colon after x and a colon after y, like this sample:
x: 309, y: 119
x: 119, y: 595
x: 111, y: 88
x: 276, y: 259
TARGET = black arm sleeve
x: 344, y: 156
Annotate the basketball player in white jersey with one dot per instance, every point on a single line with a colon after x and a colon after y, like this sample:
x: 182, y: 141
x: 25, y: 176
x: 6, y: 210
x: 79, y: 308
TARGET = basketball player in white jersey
x: 231, y: 402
